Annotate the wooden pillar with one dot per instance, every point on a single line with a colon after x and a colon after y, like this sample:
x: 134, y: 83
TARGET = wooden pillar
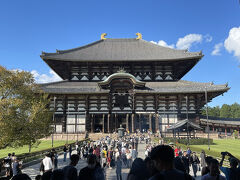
x: 115, y: 120
x: 225, y: 130
x: 133, y: 123
x: 103, y: 124
x: 92, y: 123
x: 156, y: 122
x: 213, y: 127
x: 127, y: 123
x: 150, y: 121
x: 64, y: 123
x: 139, y: 122
x: 87, y: 122
x: 108, y: 123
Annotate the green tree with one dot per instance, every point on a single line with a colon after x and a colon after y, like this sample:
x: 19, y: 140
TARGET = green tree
x: 24, y: 116
x: 235, y: 110
x: 225, y: 111
x: 215, y: 111
x: 212, y: 111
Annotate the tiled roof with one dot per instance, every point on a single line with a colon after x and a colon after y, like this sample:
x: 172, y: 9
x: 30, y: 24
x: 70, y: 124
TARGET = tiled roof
x: 121, y: 50
x: 74, y: 87
x: 183, y: 124
x: 221, y: 121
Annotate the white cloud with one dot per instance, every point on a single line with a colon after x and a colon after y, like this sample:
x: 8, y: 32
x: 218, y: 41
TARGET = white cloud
x: 187, y: 41
x: 163, y: 43
x: 216, y: 50
x: 44, y: 78
x: 232, y: 43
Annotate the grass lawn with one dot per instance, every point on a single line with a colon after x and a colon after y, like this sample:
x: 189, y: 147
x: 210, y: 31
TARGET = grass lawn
x: 43, y: 145
x: 230, y: 145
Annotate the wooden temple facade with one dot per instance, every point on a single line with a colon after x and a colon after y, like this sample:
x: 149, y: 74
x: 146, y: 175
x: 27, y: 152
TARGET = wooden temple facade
x: 128, y: 82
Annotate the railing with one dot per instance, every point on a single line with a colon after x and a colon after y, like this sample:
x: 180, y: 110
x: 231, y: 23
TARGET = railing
x: 28, y: 157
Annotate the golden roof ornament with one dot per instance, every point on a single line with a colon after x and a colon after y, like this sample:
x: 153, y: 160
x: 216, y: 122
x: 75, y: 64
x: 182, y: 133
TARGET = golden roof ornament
x: 121, y: 70
x: 139, y: 35
x: 103, y: 36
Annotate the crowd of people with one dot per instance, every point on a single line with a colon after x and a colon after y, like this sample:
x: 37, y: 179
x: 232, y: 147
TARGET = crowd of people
x: 12, y: 165
x: 162, y: 162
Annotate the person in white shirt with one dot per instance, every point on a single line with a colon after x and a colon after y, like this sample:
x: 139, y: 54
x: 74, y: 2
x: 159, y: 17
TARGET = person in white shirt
x: 47, y: 163
x: 76, y: 146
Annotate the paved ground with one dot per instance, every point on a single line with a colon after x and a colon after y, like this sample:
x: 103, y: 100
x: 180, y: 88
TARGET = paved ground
x: 32, y: 171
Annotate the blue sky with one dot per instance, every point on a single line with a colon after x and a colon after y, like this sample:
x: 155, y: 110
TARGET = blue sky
x: 28, y: 27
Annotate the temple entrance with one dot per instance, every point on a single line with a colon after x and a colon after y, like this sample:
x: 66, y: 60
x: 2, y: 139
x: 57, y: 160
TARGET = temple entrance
x: 121, y: 120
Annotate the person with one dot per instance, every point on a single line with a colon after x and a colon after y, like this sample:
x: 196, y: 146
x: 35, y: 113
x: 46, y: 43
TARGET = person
x: 185, y: 160
x: 7, y: 165
x: 70, y: 151
x: 13, y: 156
x: 104, y: 156
x: 16, y: 167
x: 91, y: 171
x: 135, y: 143
x: 151, y: 170
x: 119, y: 168
x: 129, y: 158
x: 123, y: 155
x: 97, y: 153
x: 65, y: 152
x: 54, y: 157
x: 76, y: 146
x: 202, y: 159
x: 205, y: 170
x: 232, y: 173
x: 134, y: 154
x: 176, y: 151
x: 38, y: 177
x: 109, y: 158
x: 179, y: 164
x: 104, y: 168
x: 189, y: 152
x: 21, y: 177
x: 47, y: 175
x: 57, y: 174
x: 79, y: 151
x: 214, y: 171
x: 194, y: 162
x: 163, y: 157
x: 70, y: 172
x: 138, y: 170
x: 47, y: 163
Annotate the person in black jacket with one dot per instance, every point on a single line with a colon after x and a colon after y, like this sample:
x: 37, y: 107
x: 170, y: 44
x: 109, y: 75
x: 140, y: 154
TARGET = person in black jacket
x: 194, y: 162
x: 185, y: 159
x: 70, y: 172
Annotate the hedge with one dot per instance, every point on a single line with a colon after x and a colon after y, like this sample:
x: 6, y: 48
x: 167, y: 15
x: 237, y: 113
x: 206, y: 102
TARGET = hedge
x: 200, y: 141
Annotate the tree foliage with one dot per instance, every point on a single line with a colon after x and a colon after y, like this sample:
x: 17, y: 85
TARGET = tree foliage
x: 24, y: 116
x: 225, y: 111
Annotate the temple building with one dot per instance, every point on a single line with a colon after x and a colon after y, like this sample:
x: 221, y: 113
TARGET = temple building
x: 129, y: 82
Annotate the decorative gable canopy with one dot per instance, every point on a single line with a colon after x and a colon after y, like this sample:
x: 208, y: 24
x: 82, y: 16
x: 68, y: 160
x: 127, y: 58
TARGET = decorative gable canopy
x: 121, y: 76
